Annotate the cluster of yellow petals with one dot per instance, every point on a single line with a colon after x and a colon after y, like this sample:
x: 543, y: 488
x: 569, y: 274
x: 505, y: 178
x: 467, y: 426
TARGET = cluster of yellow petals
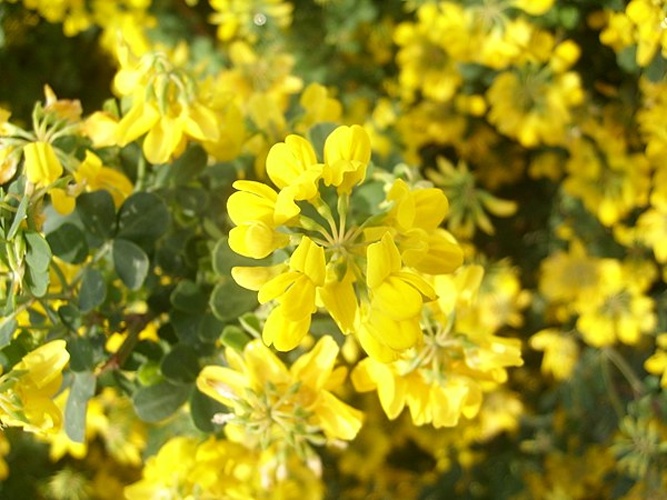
x: 444, y: 377
x: 607, y: 297
x: 641, y: 24
x: 28, y: 389
x: 368, y: 279
x: 282, y: 411
x: 164, y: 107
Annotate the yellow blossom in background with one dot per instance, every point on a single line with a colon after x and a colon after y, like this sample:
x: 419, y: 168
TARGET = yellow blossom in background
x: 243, y: 19
x: 572, y: 277
x: 619, y: 311
x: 469, y: 203
x: 534, y: 7
x: 165, y: 105
x: 4, y: 451
x: 609, y: 180
x: 561, y: 352
x: 426, y: 66
x: 533, y: 104
x: 319, y: 106
x: 657, y: 363
x: 646, y: 18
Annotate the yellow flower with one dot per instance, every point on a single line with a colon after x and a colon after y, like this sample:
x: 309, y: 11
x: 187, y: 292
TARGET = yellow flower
x: 165, y: 105
x: 610, y: 181
x: 534, y: 7
x: 425, y: 57
x: 281, y: 410
x: 615, y: 308
x: 353, y: 268
x: 244, y: 18
x: 167, y: 471
x: 9, y: 160
x: 347, y: 151
x: 574, y: 277
x: 319, y: 107
x: 27, y: 391
x: 93, y: 175
x: 657, y: 362
x: 444, y: 376
x: 417, y: 215
x: 561, y: 352
x: 292, y: 166
x: 4, y: 451
x: 390, y: 323
x: 41, y: 163
x: 100, y: 127
x: 257, y: 211
x: 533, y: 104
x: 295, y: 292
x: 469, y: 203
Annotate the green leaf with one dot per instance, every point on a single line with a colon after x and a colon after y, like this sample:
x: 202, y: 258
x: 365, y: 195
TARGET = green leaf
x: 19, y: 217
x: 186, y: 326
x: 234, y: 337
x: 93, y: 290
x: 149, y: 373
x: 37, y: 281
x: 160, y: 401
x: 70, y: 315
x: 130, y: 262
x: 569, y: 16
x: 82, y: 389
x: 97, y: 213
x: 7, y: 329
x: 187, y: 166
x: 188, y: 297
x: 657, y: 69
x: 142, y: 219
x: 229, y: 301
x: 627, y: 59
x: 193, y: 201
x: 210, y: 328
x: 68, y: 243
x: 38, y: 253
x: 80, y: 354
x: 180, y: 365
x: 202, y: 410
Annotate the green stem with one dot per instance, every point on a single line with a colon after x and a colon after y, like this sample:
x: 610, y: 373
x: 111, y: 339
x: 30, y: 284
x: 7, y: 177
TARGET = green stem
x: 325, y: 211
x: 611, y: 389
x: 619, y: 361
x: 141, y: 173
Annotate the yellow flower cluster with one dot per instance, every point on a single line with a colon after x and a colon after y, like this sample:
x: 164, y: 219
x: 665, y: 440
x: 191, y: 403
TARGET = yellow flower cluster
x: 28, y: 389
x: 641, y: 24
x: 164, y: 105
x: 365, y: 274
x: 282, y: 413
x: 445, y: 377
x: 46, y: 162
